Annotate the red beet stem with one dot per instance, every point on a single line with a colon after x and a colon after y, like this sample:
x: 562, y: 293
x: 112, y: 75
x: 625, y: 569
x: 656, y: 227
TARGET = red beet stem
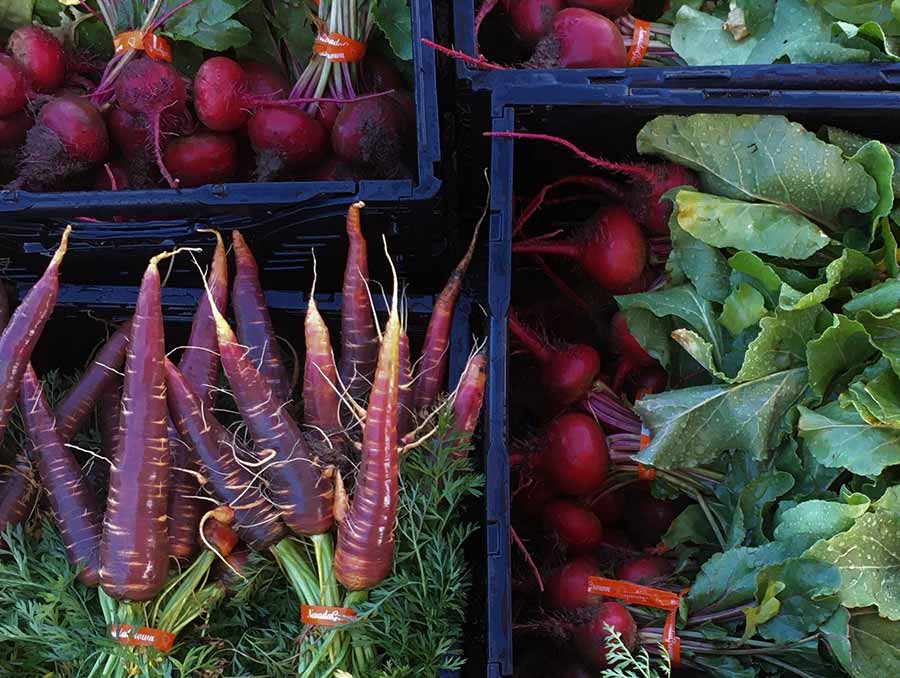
x: 525, y: 336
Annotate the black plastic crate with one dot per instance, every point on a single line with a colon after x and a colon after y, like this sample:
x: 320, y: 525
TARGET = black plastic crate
x: 881, y: 76
x: 602, y: 120
x: 149, y: 214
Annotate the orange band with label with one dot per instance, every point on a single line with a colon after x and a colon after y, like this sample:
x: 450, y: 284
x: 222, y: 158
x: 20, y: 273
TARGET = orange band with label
x: 635, y: 594
x: 155, y: 46
x: 324, y: 615
x: 142, y: 636
x: 645, y: 472
x: 338, y: 47
x: 640, y: 41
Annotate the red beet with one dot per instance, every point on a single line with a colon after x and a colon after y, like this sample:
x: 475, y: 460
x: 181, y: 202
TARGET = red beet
x: 567, y: 587
x: 68, y: 138
x: 609, y: 8
x: 41, y: 57
x: 261, y: 80
x: 129, y: 131
x: 590, y: 637
x: 609, y: 508
x: 531, y: 501
x: 202, y: 158
x: 645, y: 570
x: 613, y: 251
x: 566, y: 373
x: 575, y: 455
x: 13, y: 88
x: 219, y: 88
x: 648, y: 518
x: 532, y: 19
x: 632, y: 353
x: 285, y: 139
x: 577, y: 529
x: 649, y: 182
x: 155, y: 90
x: 369, y: 133
x: 580, y: 38
x: 14, y: 127
x: 380, y: 75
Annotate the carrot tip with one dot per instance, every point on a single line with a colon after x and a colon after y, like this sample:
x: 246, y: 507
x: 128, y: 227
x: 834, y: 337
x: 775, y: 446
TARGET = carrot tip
x: 63, y: 246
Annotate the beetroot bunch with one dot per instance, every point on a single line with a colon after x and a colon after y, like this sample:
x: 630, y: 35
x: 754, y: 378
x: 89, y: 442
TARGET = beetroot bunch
x: 142, y: 124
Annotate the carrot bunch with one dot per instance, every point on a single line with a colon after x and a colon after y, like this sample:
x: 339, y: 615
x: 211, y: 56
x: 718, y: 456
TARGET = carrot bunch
x: 183, y: 482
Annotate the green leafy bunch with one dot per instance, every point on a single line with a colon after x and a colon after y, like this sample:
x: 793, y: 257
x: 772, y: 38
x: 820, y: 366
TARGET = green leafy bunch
x: 779, y: 325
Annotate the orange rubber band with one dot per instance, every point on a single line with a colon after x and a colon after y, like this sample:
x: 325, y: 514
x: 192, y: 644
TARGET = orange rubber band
x: 640, y: 41
x: 645, y: 437
x: 142, y: 636
x: 632, y: 593
x: 338, y: 47
x: 156, y: 47
x: 325, y: 615
x: 645, y: 472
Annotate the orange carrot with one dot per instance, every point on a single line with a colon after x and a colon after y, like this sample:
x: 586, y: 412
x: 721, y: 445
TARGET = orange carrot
x: 432, y: 369
x: 133, y: 550
x: 365, y: 543
x: 359, y: 339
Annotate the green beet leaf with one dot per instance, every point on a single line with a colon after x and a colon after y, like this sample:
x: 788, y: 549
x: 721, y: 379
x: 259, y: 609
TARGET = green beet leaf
x: 693, y: 426
x: 393, y: 18
x: 878, y: 300
x: 868, y: 557
x: 755, y: 227
x: 876, y: 398
x: 850, y: 143
x: 743, y: 308
x: 683, y: 303
x: 842, y: 346
x: 689, y: 527
x: 816, y: 519
x: 851, y: 268
x: 728, y: 579
x: 874, y: 647
x: 697, y: 262
x: 764, y: 158
x: 209, y: 24
x: 884, y: 333
x: 839, y: 437
x: 807, y: 593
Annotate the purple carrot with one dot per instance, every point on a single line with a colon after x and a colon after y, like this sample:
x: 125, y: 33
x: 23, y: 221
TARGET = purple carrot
x: 431, y: 373
x: 365, y: 543
x: 24, y: 328
x: 298, y: 484
x: 17, y: 490
x: 134, y: 548
x: 200, y: 361
x: 254, y: 326
x: 99, y: 376
x: 359, y: 338
x: 321, y: 402
x: 200, y: 366
x: 256, y: 521
x: 470, y: 396
x: 72, y: 500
